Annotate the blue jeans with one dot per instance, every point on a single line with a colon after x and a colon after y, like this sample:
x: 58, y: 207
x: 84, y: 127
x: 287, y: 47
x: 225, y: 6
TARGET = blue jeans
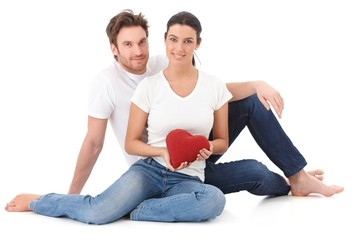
x: 250, y: 174
x: 148, y: 191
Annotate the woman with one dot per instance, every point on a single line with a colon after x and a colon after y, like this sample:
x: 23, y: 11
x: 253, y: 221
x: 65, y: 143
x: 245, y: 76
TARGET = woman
x: 180, y: 95
x: 183, y: 97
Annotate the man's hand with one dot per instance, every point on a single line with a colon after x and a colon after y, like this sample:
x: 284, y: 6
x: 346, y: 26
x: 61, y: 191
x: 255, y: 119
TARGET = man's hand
x: 268, y: 95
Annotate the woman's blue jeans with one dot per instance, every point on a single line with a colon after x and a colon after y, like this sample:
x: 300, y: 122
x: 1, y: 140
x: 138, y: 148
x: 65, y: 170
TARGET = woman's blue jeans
x: 148, y: 191
x: 250, y: 174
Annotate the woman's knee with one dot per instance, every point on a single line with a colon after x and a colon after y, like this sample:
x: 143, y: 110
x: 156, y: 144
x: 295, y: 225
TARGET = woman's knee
x: 214, y: 203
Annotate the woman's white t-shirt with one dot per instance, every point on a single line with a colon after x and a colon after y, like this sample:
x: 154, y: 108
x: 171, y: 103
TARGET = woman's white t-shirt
x: 168, y: 111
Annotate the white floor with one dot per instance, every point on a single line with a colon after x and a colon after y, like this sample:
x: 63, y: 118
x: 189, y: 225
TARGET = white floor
x: 245, y: 217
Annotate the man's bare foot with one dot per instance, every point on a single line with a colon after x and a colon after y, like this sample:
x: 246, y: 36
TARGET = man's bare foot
x: 21, y: 202
x: 305, y: 183
x: 318, y: 173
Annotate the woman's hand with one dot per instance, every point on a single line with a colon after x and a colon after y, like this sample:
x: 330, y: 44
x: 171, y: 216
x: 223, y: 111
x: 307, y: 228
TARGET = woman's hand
x: 204, y: 153
x: 166, y: 156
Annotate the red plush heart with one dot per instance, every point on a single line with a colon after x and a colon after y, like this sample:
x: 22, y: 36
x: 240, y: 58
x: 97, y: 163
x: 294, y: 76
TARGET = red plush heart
x: 184, y: 147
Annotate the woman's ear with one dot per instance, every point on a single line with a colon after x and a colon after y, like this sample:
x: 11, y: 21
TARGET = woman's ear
x: 198, y: 43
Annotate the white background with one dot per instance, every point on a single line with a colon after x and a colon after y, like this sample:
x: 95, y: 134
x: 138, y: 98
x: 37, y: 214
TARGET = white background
x: 49, y: 50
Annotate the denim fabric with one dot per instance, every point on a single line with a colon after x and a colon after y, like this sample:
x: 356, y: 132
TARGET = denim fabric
x: 148, y: 191
x: 170, y: 197
x: 250, y: 174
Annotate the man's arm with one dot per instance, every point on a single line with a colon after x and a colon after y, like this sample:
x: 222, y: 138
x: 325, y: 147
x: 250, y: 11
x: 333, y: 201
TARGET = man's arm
x: 266, y: 93
x: 89, y: 153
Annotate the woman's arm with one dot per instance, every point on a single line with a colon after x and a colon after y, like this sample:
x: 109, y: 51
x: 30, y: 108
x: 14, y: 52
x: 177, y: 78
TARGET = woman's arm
x: 220, y: 130
x: 133, y: 143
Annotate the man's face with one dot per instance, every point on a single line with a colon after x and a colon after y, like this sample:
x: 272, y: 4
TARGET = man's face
x: 132, y: 49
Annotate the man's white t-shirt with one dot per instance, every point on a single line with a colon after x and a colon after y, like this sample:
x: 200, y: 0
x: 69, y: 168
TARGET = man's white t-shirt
x: 110, y: 93
x: 168, y: 111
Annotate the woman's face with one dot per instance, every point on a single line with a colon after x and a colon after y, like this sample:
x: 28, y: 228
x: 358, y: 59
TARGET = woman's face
x: 181, y: 42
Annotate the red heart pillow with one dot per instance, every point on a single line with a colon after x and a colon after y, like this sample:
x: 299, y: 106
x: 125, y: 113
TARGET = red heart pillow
x: 184, y: 147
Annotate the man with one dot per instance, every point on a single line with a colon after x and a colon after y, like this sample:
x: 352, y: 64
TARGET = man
x: 109, y: 99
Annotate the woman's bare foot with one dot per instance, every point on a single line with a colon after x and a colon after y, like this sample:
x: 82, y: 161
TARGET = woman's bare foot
x: 305, y: 183
x: 21, y: 202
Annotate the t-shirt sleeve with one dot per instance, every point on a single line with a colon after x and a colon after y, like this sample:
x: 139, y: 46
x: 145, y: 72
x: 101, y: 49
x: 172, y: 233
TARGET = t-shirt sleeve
x: 100, y: 98
x: 142, y: 96
x: 223, y: 94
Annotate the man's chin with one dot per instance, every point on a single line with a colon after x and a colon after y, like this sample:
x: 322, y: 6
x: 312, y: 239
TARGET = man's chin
x: 139, y: 67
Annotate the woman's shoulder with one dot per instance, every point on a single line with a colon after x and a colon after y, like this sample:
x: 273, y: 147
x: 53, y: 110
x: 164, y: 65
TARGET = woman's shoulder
x: 210, y: 77
x: 151, y: 81
x: 153, y: 78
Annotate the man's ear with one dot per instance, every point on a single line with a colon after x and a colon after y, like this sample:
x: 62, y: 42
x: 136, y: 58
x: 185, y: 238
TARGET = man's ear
x: 113, y: 49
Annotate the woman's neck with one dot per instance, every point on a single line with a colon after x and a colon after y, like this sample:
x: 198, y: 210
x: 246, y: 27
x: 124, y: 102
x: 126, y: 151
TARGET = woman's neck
x: 182, y: 80
x: 178, y: 73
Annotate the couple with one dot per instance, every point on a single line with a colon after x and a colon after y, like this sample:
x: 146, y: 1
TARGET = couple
x: 151, y: 189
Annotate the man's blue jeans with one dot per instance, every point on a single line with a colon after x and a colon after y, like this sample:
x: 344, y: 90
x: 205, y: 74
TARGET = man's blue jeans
x: 250, y: 174
x: 148, y: 191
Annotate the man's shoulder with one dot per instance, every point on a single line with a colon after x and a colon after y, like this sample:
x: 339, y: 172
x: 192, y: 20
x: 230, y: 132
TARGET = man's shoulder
x: 110, y: 72
x: 158, y: 59
x: 157, y: 63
